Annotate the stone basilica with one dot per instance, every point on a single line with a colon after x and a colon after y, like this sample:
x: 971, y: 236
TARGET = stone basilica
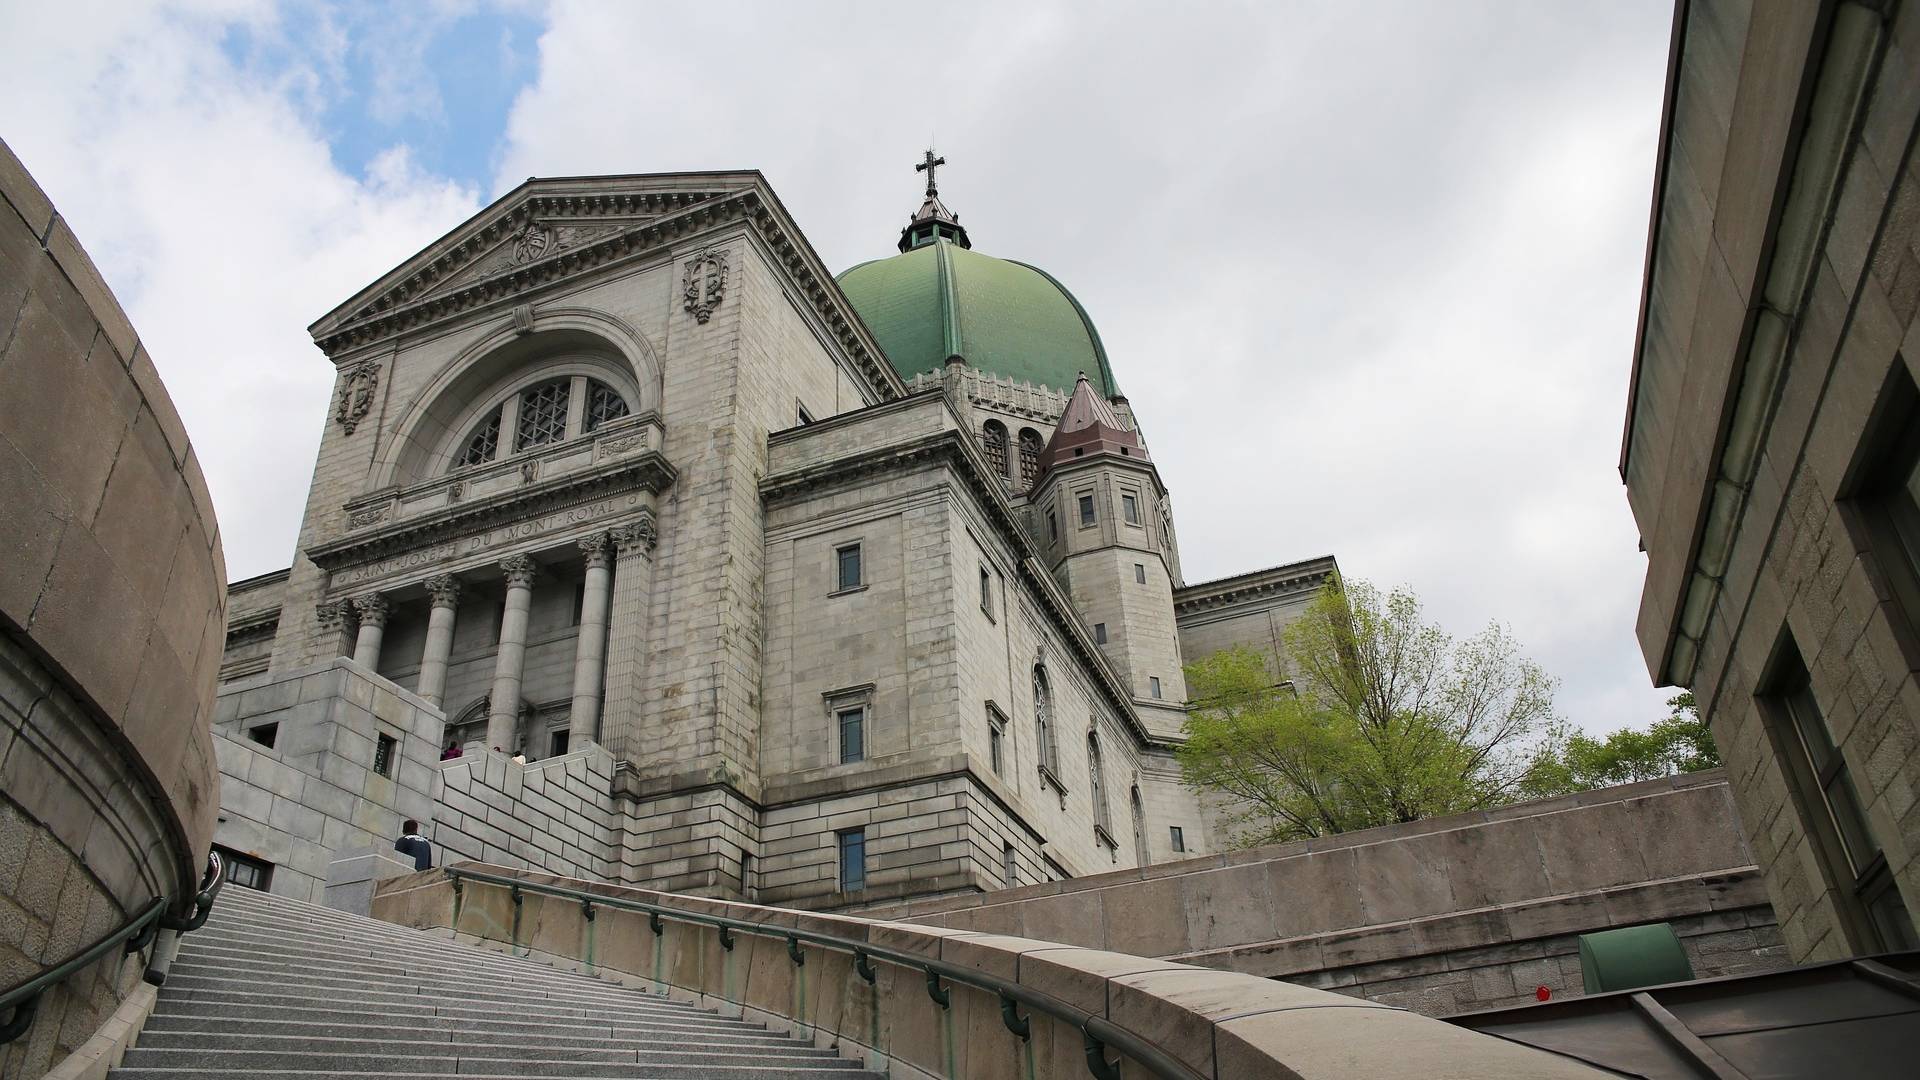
x: 722, y: 573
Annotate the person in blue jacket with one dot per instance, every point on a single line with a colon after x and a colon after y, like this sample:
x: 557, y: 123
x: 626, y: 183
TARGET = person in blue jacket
x: 416, y: 845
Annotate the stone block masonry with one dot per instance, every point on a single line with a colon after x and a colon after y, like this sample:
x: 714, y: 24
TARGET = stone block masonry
x: 556, y: 815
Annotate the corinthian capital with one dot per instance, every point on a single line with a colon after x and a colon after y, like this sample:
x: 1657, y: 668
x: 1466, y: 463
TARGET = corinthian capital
x: 520, y: 570
x: 372, y: 609
x: 638, y: 536
x: 334, y: 614
x: 599, y: 549
x: 444, y: 588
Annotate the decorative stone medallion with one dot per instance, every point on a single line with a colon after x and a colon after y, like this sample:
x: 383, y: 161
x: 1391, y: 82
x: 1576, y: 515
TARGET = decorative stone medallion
x: 533, y: 242
x: 357, y: 385
x: 705, y: 282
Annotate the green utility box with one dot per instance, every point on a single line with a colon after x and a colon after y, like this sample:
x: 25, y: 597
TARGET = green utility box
x: 1632, y: 957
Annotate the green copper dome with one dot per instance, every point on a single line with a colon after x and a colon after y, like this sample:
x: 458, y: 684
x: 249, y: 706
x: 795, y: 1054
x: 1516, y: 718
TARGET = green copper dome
x: 938, y: 298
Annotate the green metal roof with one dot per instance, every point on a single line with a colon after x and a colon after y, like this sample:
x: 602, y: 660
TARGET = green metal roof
x: 1003, y: 317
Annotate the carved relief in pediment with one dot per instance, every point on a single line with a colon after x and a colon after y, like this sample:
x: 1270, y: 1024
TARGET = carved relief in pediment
x: 536, y: 241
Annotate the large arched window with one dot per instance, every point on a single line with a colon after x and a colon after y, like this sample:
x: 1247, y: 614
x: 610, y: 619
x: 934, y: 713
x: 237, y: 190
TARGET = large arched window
x: 994, y: 437
x: 1030, y: 447
x: 539, y: 415
x: 1097, y: 787
x: 1043, y: 719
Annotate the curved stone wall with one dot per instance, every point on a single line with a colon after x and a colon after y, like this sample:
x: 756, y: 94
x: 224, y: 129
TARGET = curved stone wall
x: 1216, y: 1025
x: 112, y: 610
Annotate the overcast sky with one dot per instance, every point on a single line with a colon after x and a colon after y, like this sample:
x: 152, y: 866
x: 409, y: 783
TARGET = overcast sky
x: 1367, y: 272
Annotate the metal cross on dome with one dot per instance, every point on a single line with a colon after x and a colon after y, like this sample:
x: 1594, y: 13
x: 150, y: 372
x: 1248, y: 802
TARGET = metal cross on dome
x: 927, y: 166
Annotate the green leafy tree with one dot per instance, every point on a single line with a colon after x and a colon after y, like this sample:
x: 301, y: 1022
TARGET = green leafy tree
x: 1679, y: 743
x: 1386, y: 719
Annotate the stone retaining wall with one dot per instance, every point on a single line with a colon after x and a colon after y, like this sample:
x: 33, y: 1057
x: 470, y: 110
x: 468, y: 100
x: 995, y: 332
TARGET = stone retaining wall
x: 1447, y: 915
x: 1220, y: 1025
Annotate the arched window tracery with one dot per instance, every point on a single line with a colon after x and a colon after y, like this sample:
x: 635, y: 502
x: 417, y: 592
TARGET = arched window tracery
x: 1030, y: 447
x: 1043, y: 719
x: 1097, y: 787
x: 994, y: 438
x: 540, y: 414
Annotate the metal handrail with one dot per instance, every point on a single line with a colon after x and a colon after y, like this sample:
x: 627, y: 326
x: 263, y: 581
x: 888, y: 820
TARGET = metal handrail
x: 135, y: 934
x: 1098, y: 1032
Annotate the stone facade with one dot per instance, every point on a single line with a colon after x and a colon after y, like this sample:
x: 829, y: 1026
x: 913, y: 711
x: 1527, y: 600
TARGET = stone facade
x: 593, y: 463
x: 111, y: 610
x: 1769, y: 457
x: 300, y: 773
x: 1442, y: 916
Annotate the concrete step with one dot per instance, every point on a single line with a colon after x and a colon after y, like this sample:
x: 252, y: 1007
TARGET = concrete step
x: 423, y: 953
x: 272, y: 987
x: 175, y: 1027
x: 240, y: 1002
x: 172, y: 1063
x: 329, y: 977
x: 403, y: 1048
x: 200, y: 1013
x: 369, y: 959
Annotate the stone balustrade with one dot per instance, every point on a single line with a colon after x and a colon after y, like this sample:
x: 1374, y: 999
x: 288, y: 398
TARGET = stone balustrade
x: 1213, y: 1024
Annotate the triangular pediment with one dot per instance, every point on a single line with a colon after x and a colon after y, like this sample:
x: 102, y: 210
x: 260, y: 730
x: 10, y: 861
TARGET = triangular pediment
x: 526, y: 234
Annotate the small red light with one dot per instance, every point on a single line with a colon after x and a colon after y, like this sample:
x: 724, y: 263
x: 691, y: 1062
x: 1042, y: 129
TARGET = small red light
x: 1542, y: 993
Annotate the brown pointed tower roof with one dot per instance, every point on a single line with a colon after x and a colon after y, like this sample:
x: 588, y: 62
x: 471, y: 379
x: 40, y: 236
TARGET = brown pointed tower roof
x: 1089, y: 426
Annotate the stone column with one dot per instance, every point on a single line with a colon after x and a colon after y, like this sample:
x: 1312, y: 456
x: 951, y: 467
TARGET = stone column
x: 445, y: 591
x: 503, y: 709
x: 336, y: 627
x: 590, y: 648
x: 372, y: 609
x: 626, y: 637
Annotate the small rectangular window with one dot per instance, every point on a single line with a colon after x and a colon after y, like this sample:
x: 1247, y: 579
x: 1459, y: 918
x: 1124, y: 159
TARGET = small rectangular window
x: 383, y: 747
x: 264, y: 734
x: 1099, y: 633
x: 986, y: 592
x: 1086, y: 510
x: 996, y: 739
x: 853, y: 860
x: 1009, y: 866
x: 244, y: 870
x: 1130, y: 507
x: 557, y: 742
x: 1153, y: 685
x: 848, y: 559
x: 1053, y: 528
x: 1140, y: 573
x: 1179, y: 838
x: 1818, y: 769
x: 805, y: 417
x: 1889, y: 495
x: 853, y: 735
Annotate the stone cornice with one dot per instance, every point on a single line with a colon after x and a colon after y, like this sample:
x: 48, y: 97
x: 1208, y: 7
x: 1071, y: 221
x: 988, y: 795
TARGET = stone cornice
x: 409, y: 302
x: 954, y: 449
x: 252, y: 625
x: 649, y: 472
x: 1259, y: 584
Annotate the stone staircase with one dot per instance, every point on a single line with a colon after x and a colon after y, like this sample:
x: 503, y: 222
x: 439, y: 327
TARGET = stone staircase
x: 275, y: 987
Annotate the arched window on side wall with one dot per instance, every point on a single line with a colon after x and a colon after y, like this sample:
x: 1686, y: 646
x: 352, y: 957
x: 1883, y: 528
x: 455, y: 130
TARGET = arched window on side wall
x: 1043, y: 720
x: 994, y: 437
x: 1030, y: 446
x: 1096, y: 781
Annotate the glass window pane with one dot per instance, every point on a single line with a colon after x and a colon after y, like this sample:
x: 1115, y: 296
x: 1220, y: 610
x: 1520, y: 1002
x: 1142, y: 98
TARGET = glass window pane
x: 853, y: 736
x: 1086, y: 509
x: 1130, y: 506
x: 850, y: 566
x: 1811, y: 725
x: 543, y: 414
x: 482, y: 443
x: 604, y: 403
x: 853, y: 860
x: 1847, y: 818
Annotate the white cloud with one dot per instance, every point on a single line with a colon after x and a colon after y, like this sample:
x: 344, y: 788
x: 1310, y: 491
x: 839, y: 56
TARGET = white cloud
x: 216, y: 213
x: 1368, y: 274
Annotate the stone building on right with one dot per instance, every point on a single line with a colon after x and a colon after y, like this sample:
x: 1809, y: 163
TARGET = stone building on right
x: 1772, y: 446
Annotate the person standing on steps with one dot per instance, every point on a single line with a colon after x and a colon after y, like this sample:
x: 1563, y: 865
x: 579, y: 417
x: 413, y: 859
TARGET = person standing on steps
x: 416, y: 845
